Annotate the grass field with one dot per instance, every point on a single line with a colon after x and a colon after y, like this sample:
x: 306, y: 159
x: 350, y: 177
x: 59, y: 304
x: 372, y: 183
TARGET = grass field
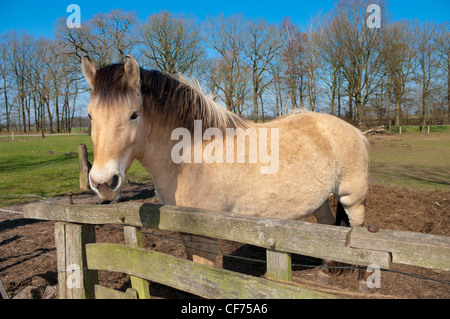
x: 49, y: 167
x: 414, y: 160
x: 45, y: 167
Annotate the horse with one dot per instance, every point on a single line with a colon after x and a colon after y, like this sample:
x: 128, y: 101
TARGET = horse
x: 180, y: 136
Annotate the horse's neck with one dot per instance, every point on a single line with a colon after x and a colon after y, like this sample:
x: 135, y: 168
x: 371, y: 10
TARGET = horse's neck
x: 158, y: 163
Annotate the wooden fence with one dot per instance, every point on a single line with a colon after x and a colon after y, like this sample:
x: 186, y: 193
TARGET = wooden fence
x: 79, y: 257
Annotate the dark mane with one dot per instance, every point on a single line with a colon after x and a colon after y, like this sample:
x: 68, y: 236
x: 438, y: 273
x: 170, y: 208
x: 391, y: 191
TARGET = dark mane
x: 172, y: 99
x: 110, y: 83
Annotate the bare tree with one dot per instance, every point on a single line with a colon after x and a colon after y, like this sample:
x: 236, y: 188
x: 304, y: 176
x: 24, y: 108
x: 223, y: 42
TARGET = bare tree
x: 314, y: 38
x: 243, y: 62
x: 172, y: 43
x: 40, y: 82
x: 428, y: 63
x: 18, y: 61
x: 232, y: 87
x: 4, y: 75
x: 276, y: 69
x: 262, y: 43
x: 225, y: 36
x: 360, y: 45
x: 106, y: 38
x: 443, y: 49
x: 332, y: 56
x: 292, y: 56
x: 398, y: 59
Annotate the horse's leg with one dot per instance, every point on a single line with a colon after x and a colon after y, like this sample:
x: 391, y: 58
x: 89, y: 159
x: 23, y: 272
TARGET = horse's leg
x: 201, y: 249
x: 324, y: 216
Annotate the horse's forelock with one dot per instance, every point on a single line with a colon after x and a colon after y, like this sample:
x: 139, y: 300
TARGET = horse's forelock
x: 110, y: 85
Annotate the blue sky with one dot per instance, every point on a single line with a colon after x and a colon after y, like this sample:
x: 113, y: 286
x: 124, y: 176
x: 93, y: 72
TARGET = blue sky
x: 37, y: 17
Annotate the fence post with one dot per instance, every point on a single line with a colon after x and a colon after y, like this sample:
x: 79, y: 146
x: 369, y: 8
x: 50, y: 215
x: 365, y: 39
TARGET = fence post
x: 84, y: 167
x: 74, y: 279
x: 279, y: 265
x: 133, y: 238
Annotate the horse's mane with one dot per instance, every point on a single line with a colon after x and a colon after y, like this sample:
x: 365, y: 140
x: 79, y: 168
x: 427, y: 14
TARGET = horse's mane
x: 176, y: 99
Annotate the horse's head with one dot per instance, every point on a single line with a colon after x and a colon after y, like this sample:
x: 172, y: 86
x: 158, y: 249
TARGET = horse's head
x: 117, y: 124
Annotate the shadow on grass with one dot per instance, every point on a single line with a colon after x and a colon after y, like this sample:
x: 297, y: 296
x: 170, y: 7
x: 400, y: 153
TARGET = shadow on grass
x: 19, y: 163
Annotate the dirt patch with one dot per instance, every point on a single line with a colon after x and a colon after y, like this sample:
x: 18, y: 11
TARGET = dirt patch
x: 28, y: 256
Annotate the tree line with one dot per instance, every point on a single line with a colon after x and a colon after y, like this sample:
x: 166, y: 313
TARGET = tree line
x: 397, y: 74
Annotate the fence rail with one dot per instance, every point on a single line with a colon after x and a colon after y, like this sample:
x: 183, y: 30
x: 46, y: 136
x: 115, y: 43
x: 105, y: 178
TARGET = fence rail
x: 76, y: 245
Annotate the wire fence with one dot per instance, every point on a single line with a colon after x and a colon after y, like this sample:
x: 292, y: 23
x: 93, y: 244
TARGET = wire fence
x: 248, y: 259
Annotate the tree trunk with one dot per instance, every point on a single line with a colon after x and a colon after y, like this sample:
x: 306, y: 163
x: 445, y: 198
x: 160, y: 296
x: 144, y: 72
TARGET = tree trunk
x: 339, y: 95
x: 262, y: 108
x: 448, y: 91
x: 302, y: 105
x: 424, y: 122
x: 36, y: 117
x: 255, y: 105
x: 397, y: 111
x: 293, y: 102
x: 228, y: 103
x: 42, y: 108
x: 313, y: 93
x: 28, y: 108
x: 277, y: 99
x: 50, y: 117
x: 359, y: 113
x: 58, y: 129
x: 389, y: 105
x: 333, y: 97
x: 24, y: 117
x: 18, y: 116
x: 350, y: 106
x: 7, y: 112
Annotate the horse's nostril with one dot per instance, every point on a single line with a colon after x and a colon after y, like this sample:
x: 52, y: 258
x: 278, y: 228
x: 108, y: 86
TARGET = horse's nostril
x: 114, y: 182
x: 93, y: 183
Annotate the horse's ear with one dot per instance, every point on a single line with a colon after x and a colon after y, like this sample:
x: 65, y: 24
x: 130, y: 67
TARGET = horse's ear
x: 132, y: 71
x: 89, y: 70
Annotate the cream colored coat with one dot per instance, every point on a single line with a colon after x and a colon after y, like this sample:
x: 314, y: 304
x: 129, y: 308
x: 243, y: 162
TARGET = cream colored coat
x: 318, y: 155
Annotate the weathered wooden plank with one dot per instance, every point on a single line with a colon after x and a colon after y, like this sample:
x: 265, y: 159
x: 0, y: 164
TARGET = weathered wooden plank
x: 188, y: 276
x: 75, y: 280
x: 108, y: 293
x: 133, y: 238
x: 3, y: 293
x: 424, y: 250
x: 60, y: 243
x: 279, y: 265
x: 316, y: 240
x: 135, y: 214
x: 82, y: 279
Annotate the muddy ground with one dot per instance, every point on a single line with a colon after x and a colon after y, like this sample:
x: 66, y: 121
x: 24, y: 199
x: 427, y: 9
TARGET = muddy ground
x: 27, y: 249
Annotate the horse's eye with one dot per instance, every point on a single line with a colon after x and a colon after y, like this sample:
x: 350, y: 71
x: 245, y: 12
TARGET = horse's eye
x: 90, y: 117
x: 134, y: 115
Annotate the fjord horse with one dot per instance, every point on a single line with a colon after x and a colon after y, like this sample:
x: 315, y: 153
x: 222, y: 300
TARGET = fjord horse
x: 135, y: 114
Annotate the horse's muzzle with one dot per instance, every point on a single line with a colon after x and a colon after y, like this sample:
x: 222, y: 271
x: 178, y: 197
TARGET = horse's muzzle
x: 110, y: 191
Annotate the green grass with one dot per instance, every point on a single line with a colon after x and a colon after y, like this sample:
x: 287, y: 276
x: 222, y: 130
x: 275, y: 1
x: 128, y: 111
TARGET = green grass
x: 414, y: 160
x: 45, y: 167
